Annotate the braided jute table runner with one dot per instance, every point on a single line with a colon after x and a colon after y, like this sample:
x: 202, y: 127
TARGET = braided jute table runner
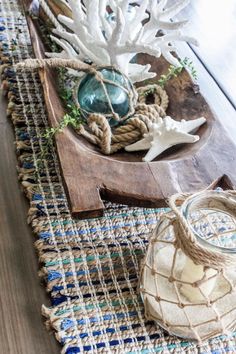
x: 91, y: 267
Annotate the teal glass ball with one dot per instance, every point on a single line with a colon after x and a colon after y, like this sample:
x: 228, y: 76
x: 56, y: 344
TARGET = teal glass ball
x: 96, y: 96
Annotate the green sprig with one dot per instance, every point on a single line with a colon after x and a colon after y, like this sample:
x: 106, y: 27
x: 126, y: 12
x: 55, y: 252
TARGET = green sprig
x: 72, y: 118
x: 188, y: 64
x: 174, y: 71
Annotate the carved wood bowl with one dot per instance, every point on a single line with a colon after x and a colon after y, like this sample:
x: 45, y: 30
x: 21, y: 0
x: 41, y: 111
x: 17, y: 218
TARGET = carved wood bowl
x: 185, y: 103
x: 89, y: 175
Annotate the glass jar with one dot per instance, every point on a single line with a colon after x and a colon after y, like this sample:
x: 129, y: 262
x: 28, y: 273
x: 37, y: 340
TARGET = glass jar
x: 188, y: 276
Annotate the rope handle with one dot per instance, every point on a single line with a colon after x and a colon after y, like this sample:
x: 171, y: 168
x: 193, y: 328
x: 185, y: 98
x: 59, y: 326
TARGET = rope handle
x: 197, y: 249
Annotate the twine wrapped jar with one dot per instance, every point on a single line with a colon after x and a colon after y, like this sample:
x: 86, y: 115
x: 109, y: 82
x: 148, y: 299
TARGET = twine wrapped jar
x: 188, y: 276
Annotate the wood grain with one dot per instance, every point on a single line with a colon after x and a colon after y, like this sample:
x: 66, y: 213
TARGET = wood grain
x: 21, y: 295
x: 124, y: 177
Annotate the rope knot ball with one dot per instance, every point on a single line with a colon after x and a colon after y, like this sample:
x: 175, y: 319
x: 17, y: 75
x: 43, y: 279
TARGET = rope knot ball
x: 109, y: 92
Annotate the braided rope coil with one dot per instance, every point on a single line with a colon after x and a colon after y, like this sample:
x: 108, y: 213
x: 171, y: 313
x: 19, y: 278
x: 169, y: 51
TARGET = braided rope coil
x: 111, y: 140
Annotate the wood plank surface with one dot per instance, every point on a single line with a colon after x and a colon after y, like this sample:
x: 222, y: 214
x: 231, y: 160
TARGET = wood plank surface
x: 22, y: 330
x: 213, y: 23
x: 215, y: 97
x: 21, y: 296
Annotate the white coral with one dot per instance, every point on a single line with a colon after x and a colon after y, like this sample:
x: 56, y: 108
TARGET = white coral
x: 112, y: 32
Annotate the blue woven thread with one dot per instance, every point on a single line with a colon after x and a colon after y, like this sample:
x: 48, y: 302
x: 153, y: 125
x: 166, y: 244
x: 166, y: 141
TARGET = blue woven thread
x: 44, y: 235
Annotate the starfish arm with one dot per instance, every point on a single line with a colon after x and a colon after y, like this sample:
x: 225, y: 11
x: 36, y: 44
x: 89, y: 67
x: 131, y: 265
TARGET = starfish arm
x: 154, y: 151
x: 182, y: 138
x: 191, y: 125
x: 164, y: 143
x: 143, y: 144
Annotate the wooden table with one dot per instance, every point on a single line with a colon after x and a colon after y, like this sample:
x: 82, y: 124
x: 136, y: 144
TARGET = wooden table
x: 21, y: 296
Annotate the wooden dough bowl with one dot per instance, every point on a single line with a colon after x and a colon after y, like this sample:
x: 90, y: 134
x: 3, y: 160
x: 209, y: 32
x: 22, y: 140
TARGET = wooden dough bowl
x: 90, y: 176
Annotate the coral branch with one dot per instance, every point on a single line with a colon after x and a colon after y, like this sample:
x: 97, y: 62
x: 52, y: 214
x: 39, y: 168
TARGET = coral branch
x: 112, y: 32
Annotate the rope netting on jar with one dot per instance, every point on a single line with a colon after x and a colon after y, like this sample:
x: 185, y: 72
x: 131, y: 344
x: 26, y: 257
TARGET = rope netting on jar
x: 188, y: 277
x: 98, y: 130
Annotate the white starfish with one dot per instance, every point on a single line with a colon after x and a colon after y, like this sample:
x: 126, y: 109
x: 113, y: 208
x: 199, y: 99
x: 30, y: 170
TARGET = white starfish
x: 165, y: 133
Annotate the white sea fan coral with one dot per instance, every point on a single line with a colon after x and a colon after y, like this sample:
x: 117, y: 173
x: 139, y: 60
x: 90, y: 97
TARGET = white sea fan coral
x: 112, y: 32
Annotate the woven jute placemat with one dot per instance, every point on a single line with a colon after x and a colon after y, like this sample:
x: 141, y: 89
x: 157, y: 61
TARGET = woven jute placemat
x: 91, y: 267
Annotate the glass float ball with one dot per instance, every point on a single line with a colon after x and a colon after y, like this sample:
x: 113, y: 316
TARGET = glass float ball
x: 95, y: 92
